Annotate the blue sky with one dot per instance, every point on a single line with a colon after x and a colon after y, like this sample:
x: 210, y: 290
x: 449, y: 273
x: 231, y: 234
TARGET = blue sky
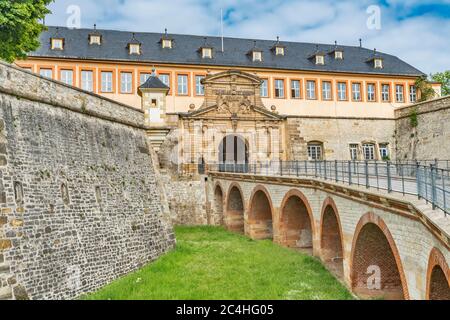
x: 418, y: 31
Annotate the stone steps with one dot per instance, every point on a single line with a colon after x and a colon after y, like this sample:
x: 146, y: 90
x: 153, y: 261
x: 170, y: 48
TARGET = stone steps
x: 5, y: 293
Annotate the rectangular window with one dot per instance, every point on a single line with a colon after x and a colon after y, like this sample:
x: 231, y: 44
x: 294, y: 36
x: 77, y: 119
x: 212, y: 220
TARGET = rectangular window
x: 66, y: 76
x: 126, y: 82
x: 199, y: 87
x: 326, y: 90
x: 143, y: 77
x: 265, y: 88
x: 87, y: 80
x: 257, y: 56
x: 369, y: 151
x: 384, y: 151
x: 165, y: 78
x: 371, y: 92
x: 183, y: 85
x: 342, y: 91
x: 47, y: 73
x: 57, y: 44
x: 385, y: 93
x: 279, y: 88
x: 356, y: 91
x: 295, y: 89
x: 107, y: 81
x: 311, y: 90
x: 399, y: 93
x: 354, y: 152
x: 314, y: 152
x: 412, y: 93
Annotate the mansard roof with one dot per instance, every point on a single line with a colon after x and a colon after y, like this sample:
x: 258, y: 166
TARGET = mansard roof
x: 114, y: 48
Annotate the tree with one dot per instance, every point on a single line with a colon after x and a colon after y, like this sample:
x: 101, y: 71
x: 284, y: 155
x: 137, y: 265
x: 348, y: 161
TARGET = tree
x: 20, y: 27
x: 444, y: 79
x: 425, y: 89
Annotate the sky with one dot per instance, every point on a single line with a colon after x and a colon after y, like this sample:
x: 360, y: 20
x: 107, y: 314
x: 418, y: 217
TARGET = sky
x: 417, y: 31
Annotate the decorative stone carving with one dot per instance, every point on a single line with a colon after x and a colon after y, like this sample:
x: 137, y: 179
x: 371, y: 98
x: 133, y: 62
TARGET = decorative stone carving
x: 233, y: 104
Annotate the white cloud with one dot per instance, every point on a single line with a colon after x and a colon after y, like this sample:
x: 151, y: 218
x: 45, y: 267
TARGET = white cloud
x: 421, y: 41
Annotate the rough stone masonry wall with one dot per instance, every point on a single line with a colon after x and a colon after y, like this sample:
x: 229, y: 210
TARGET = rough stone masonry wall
x: 79, y: 202
x: 336, y: 135
x: 429, y: 138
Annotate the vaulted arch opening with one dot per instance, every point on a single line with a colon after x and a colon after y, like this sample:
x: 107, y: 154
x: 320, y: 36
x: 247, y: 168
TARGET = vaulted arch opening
x: 234, y: 215
x: 376, y: 267
x: 260, y: 216
x: 233, y: 154
x: 331, y: 241
x: 439, y: 287
x: 218, y: 205
x: 296, y: 228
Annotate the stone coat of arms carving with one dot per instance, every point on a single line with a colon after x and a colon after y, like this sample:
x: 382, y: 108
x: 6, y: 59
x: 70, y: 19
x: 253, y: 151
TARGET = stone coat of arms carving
x: 233, y: 104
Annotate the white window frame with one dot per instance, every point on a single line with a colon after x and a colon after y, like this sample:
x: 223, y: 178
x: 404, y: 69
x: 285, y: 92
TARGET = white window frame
x: 165, y: 78
x: 368, y: 151
x: 356, y: 91
x: 320, y: 60
x: 66, y: 76
x: 279, y: 91
x: 338, y: 55
x: 87, y: 83
x: 207, y: 53
x: 279, y: 51
x: 107, y: 81
x: 399, y: 95
x: 371, y: 94
x: 135, y: 48
x: 257, y: 56
x: 412, y: 93
x: 95, y: 39
x: 386, y: 93
x: 342, y: 91
x: 57, y: 44
x: 46, y: 73
x: 199, y: 88
x: 295, y: 89
x: 182, y: 87
x: 378, y: 63
x: 265, y: 88
x: 143, y: 77
x: 354, y: 149
x: 166, y: 44
x: 326, y: 90
x: 311, y: 93
x: 126, y: 82
x: 315, y: 151
x: 384, y: 150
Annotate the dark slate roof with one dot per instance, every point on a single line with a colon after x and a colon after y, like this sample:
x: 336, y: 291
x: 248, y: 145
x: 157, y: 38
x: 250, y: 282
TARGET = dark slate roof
x: 154, y: 83
x: 185, y: 51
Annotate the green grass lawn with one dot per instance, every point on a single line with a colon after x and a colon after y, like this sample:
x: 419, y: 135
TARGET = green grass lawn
x: 211, y: 263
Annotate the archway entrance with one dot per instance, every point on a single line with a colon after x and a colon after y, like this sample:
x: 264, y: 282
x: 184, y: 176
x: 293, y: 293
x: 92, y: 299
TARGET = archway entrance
x: 439, y: 287
x: 234, y: 216
x: 218, y: 205
x: 233, y: 154
x: 260, y: 217
x: 375, y: 273
x: 331, y: 242
x: 296, y: 226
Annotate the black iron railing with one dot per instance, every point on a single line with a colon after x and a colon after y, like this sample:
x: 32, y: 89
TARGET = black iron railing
x: 428, y: 182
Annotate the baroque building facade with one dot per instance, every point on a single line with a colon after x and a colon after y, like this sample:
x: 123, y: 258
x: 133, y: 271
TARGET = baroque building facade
x: 244, y: 102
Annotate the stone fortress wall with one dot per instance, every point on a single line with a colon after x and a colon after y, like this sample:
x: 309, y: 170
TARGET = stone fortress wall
x: 80, y: 204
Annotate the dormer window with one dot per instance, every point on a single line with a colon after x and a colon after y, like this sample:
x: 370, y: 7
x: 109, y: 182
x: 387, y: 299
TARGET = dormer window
x: 378, y: 63
x: 57, y: 44
x: 167, y: 43
x: 206, y: 53
x: 320, y: 59
x: 95, y: 39
x: 257, y: 56
x: 338, y: 55
x: 279, y: 51
x: 135, y: 48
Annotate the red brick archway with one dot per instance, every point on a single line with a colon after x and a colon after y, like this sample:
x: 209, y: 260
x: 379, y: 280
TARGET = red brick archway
x: 376, y: 268
x: 219, y: 203
x: 296, y: 221
x: 331, y: 247
x: 235, y: 207
x: 259, y: 220
x: 438, y: 277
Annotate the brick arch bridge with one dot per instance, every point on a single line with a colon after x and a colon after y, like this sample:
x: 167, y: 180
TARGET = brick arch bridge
x: 377, y: 245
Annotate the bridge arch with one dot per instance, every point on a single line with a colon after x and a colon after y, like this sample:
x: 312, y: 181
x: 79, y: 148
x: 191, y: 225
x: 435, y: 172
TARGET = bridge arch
x: 219, y: 203
x: 235, y: 208
x: 260, y: 214
x: 376, y: 269
x: 438, y: 277
x: 331, y: 238
x: 296, y: 221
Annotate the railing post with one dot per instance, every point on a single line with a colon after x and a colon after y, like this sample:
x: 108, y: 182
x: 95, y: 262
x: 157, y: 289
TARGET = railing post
x: 366, y: 172
x: 349, y: 172
x: 389, y: 181
x: 418, y: 179
x: 325, y: 169
x: 433, y: 187
x: 296, y: 166
x: 281, y: 167
x: 315, y: 168
x: 443, y: 191
x: 335, y: 170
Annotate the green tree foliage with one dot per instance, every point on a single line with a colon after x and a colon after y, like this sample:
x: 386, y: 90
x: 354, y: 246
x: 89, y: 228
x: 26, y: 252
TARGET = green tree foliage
x: 444, y: 79
x: 20, y: 26
x: 425, y: 89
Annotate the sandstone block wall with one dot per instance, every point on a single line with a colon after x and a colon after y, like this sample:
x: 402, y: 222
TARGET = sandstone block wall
x: 78, y: 198
x: 429, y: 139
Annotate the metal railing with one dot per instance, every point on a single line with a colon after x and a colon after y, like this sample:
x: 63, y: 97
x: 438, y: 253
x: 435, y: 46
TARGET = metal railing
x: 427, y: 182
